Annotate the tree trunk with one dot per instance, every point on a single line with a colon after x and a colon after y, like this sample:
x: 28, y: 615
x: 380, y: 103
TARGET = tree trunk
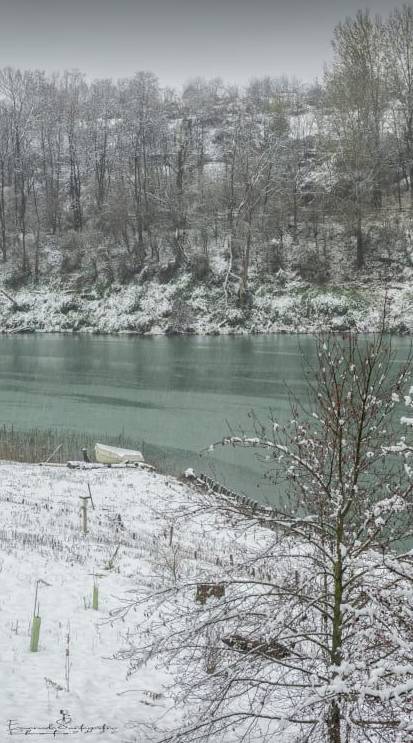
x: 37, y: 258
x: 243, y: 288
x: 399, y: 194
x: 75, y: 186
x: 377, y: 197
x: 360, y: 244
x: 140, y: 252
x: 334, y: 714
x: 334, y: 723
x: 295, y: 214
x: 3, y: 216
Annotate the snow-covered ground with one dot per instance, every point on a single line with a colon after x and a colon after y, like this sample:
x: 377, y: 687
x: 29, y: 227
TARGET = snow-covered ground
x: 144, y: 529
x: 78, y: 684
x: 183, y: 306
x: 41, y: 539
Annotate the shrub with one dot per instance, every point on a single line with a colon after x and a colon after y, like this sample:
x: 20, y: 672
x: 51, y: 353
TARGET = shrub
x: 199, y: 265
x: 125, y: 270
x: 134, y: 305
x: 235, y: 317
x: 68, y: 305
x: 72, y: 248
x: 16, y: 279
x: 71, y: 261
x: 167, y: 271
x: 181, y: 318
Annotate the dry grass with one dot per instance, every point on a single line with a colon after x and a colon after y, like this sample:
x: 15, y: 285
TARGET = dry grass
x: 37, y: 445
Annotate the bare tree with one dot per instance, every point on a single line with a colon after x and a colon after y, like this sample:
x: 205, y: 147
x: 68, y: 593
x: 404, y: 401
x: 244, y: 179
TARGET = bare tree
x: 51, y: 134
x: 19, y: 90
x: 164, y: 177
x: 356, y: 88
x: 251, y: 155
x: 74, y: 90
x: 399, y: 51
x: 5, y: 155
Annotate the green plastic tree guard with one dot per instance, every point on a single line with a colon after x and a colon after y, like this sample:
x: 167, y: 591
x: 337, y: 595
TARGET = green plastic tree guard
x: 35, y: 634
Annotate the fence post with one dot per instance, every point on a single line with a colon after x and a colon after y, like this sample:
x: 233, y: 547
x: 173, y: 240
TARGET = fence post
x: 83, y: 510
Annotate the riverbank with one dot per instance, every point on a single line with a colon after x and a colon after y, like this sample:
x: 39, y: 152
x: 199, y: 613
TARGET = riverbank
x: 185, y: 307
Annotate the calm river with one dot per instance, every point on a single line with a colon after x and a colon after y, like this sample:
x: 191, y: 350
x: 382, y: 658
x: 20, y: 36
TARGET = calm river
x: 175, y: 394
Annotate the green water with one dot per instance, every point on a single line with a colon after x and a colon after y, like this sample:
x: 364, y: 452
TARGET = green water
x: 174, y: 394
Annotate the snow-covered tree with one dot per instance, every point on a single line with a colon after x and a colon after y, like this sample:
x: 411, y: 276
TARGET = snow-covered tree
x: 302, y: 630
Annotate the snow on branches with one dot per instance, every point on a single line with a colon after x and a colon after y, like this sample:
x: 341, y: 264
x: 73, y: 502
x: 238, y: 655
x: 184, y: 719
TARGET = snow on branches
x: 309, y: 637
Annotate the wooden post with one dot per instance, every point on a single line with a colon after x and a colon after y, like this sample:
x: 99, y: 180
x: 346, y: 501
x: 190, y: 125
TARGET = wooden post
x: 83, y: 510
x: 90, y: 496
x: 95, y: 597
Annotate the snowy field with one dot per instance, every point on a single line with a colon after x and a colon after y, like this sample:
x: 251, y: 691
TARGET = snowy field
x: 144, y: 529
x: 85, y: 694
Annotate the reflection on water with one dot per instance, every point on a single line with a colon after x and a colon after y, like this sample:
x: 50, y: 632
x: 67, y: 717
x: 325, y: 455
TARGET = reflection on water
x: 175, y: 394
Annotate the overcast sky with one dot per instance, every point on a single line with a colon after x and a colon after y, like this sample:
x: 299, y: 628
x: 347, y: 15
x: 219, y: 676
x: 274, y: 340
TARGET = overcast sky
x: 177, y: 39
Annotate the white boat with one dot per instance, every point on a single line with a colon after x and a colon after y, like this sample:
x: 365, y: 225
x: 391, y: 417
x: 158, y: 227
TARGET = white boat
x: 113, y: 455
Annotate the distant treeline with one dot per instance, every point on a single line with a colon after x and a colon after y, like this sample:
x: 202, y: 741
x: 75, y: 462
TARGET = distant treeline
x: 108, y: 180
